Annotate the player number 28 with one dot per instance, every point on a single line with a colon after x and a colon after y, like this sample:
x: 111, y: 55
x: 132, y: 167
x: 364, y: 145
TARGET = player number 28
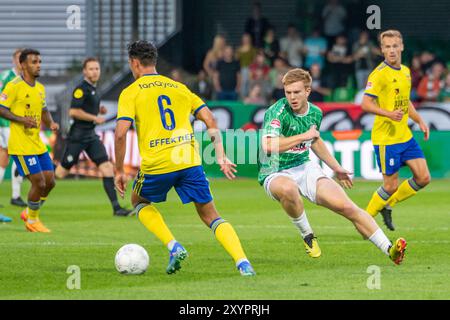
x: 32, y: 161
x: 163, y: 112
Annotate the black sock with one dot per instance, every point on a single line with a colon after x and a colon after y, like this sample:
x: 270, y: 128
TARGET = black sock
x: 108, y: 185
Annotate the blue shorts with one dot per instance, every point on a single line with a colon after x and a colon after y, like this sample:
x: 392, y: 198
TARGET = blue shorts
x: 191, y: 185
x: 392, y: 157
x: 27, y: 165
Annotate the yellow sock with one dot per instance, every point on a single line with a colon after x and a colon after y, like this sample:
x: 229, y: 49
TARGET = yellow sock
x: 406, y: 190
x: 33, y: 211
x: 33, y: 214
x: 153, y: 221
x: 226, y: 235
x: 43, y: 199
x: 378, y: 201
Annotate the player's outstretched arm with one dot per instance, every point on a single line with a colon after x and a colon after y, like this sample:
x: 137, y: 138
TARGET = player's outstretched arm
x: 226, y: 165
x: 120, y: 147
x: 28, y: 122
x: 415, y: 116
x: 370, y: 105
x: 321, y: 151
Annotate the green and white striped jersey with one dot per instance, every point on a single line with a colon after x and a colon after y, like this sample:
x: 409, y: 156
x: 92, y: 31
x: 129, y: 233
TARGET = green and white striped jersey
x: 5, y: 77
x: 281, y: 121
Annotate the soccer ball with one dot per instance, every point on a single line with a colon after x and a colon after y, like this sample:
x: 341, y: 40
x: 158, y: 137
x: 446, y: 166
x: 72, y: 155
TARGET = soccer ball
x: 132, y: 259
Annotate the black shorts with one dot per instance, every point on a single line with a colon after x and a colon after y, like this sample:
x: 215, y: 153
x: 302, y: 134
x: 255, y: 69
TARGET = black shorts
x: 90, y: 143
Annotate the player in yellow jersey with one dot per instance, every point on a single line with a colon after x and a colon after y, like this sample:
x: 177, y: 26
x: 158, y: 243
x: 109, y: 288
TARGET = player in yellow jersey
x: 160, y: 109
x: 23, y: 103
x: 388, y: 96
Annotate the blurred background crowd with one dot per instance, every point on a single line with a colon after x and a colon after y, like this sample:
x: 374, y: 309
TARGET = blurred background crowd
x: 338, y: 52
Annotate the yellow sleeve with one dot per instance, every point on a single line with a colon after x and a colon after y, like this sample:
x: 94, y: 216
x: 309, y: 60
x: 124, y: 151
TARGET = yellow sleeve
x: 374, y: 85
x: 44, y: 103
x: 126, y: 109
x: 196, y: 103
x: 8, y: 96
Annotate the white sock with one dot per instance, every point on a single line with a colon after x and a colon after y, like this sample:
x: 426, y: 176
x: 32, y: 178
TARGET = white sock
x: 16, y: 182
x: 302, y: 224
x: 2, y: 174
x: 171, y: 244
x: 381, y: 241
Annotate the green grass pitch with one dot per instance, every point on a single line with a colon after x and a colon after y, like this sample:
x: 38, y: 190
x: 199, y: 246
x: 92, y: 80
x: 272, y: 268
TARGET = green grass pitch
x: 85, y: 234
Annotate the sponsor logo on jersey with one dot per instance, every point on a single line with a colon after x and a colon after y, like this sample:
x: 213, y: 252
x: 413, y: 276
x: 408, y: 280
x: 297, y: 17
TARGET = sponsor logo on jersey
x: 3, y: 97
x: 369, y: 85
x: 276, y: 124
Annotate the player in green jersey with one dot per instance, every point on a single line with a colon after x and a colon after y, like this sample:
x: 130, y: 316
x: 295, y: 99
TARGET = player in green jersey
x: 290, y: 130
x: 16, y: 179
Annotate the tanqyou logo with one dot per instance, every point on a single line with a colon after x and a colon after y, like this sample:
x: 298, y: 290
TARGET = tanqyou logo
x: 73, y: 21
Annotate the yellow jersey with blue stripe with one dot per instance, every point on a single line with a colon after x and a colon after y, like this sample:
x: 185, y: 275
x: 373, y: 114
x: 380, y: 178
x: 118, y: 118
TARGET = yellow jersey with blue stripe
x: 24, y: 100
x: 391, y: 87
x: 161, y: 110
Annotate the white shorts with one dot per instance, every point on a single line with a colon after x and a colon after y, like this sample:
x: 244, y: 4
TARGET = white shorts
x: 305, y: 176
x: 4, y: 137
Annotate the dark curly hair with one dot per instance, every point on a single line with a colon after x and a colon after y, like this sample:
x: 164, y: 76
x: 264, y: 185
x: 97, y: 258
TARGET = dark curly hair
x: 144, y: 51
x: 26, y: 52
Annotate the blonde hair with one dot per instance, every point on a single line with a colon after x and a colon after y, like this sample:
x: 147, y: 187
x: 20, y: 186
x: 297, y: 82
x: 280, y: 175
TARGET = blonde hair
x: 219, y: 44
x: 296, y: 75
x: 391, y: 33
x: 17, y: 51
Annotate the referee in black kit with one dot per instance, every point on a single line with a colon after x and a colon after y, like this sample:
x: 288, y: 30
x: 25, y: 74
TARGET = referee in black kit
x: 84, y: 110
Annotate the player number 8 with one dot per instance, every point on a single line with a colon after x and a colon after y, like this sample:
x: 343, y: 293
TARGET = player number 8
x: 168, y: 111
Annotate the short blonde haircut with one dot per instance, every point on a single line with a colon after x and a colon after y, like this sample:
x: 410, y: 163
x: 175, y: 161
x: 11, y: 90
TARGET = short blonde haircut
x: 296, y: 75
x: 17, y: 51
x: 391, y: 33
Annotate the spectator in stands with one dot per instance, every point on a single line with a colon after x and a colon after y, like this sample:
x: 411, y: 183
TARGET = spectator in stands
x: 256, y: 96
x: 227, y: 80
x: 176, y: 75
x: 428, y: 59
x: 257, y: 25
x: 259, y: 68
x: 271, y: 45
x: 333, y: 15
x: 280, y: 68
x: 445, y: 92
x: 430, y: 86
x: 365, y: 54
x: 340, y: 62
x: 292, y: 47
x: 246, y: 53
x: 214, y: 55
x: 202, y: 86
x: 416, y: 76
x: 259, y: 74
x: 315, y: 49
x: 319, y: 85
